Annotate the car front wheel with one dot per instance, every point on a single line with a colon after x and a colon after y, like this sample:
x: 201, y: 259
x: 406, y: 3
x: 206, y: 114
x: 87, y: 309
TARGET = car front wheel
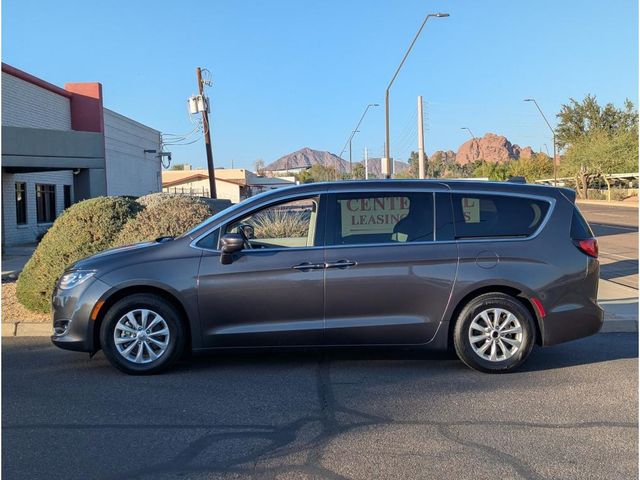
x: 494, y: 333
x: 142, y: 334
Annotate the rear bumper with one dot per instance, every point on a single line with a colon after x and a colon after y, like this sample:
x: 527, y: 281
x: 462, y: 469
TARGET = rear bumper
x: 570, y: 322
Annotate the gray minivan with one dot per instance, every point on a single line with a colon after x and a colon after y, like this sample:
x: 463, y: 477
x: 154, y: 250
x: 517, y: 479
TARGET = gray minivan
x: 488, y: 268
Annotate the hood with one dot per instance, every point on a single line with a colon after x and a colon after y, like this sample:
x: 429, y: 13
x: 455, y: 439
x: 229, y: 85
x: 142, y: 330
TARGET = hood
x: 113, y: 255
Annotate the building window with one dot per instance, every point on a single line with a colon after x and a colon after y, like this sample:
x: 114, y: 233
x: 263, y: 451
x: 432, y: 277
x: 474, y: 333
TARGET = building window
x: 21, y: 203
x: 45, y: 203
x: 67, y: 196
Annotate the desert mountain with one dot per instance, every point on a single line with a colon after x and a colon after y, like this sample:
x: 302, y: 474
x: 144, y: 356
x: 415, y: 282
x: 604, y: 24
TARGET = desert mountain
x: 306, y: 158
x: 491, y: 148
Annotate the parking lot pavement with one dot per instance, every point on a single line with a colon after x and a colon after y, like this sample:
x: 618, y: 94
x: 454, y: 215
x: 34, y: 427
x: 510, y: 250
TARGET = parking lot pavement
x: 572, y: 413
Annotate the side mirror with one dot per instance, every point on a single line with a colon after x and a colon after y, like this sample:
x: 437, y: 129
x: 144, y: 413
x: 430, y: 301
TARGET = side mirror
x: 230, y: 243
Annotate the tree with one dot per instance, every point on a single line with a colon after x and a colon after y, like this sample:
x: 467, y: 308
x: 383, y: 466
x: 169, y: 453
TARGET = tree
x: 533, y: 168
x: 318, y: 173
x: 258, y: 165
x: 600, y: 154
x: 178, y: 166
x: 577, y: 119
x: 491, y: 170
x: 358, y: 171
x: 598, y: 141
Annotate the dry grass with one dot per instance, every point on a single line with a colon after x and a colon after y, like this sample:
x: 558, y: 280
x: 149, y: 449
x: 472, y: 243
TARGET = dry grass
x: 12, y: 311
x: 280, y: 224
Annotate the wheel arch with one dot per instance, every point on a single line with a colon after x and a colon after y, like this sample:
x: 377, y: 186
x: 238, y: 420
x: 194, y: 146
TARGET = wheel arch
x: 103, y: 306
x: 517, y: 293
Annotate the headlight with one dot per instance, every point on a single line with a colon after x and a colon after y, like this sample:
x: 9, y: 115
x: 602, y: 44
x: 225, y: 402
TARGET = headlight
x: 75, y: 278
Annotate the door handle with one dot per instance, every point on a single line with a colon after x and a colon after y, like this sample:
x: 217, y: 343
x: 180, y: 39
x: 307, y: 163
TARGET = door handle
x: 307, y: 266
x: 341, y: 264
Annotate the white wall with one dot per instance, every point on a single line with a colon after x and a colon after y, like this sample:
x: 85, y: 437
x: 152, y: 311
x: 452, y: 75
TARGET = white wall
x: 13, y: 233
x: 129, y: 170
x: 27, y: 105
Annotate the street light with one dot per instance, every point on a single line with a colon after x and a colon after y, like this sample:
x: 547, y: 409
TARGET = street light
x: 355, y: 130
x: 555, y: 175
x: 470, y: 132
x: 386, y: 97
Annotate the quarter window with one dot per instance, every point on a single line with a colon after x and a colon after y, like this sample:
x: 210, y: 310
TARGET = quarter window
x: 491, y: 216
x: 21, y: 203
x: 365, y: 218
x: 45, y: 203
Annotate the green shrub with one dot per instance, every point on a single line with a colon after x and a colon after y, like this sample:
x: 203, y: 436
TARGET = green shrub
x: 84, y: 229
x: 164, y: 214
x: 275, y: 223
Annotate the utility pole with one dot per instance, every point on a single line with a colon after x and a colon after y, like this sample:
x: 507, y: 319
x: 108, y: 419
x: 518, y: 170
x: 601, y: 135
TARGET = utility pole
x: 366, y: 163
x: 553, y: 132
x: 420, y: 140
x: 207, y: 137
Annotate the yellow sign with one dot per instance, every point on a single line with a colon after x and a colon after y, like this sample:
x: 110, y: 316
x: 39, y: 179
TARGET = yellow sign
x: 471, y: 210
x: 368, y: 216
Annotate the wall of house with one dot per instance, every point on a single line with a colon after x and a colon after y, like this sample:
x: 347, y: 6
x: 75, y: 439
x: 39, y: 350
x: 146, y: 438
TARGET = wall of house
x: 130, y: 171
x: 224, y: 190
x: 13, y: 233
x: 27, y: 105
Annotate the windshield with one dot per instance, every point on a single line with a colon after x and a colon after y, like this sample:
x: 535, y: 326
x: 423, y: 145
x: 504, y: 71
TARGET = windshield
x: 230, y: 209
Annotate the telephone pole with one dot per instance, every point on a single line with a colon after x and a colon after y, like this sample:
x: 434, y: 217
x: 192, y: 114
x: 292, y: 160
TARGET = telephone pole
x: 207, y: 137
x: 420, y: 139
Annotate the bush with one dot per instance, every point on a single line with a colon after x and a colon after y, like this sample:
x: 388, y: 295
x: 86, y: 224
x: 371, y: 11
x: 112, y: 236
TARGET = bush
x: 618, y: 194
x: 164, y: 215
x: 82, y: 230
x: 274, y: 223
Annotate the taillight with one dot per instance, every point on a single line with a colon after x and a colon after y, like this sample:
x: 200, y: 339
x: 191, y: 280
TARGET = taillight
x: 588, y: 246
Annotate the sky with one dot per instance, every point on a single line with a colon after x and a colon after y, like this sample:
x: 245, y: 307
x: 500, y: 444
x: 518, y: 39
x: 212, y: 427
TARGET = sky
x: 288, y: 74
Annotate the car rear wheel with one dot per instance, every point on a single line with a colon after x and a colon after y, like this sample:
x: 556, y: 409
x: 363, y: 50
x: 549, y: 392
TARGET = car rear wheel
x: 142, y: 334
x: 494, y: 333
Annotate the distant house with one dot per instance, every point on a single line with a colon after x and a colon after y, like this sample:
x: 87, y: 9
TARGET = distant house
x: 60, y: 146
x: 235, y: 184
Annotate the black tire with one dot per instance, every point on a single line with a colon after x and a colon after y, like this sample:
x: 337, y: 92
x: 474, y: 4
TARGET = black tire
x: 166, y: 310
x: 462, y: 343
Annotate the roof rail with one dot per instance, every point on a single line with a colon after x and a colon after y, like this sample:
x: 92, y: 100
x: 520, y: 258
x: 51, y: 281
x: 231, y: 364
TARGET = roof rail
x: 517, y: 179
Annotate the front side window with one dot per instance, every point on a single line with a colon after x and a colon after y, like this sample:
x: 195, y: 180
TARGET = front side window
x: 494, y: 216
x: 381, y: 217
x: 21, y: 203
x: 283, y: 225
x: 45, y: 203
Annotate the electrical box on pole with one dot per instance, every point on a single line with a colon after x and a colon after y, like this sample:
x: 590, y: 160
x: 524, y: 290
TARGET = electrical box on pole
x: 198, y: 104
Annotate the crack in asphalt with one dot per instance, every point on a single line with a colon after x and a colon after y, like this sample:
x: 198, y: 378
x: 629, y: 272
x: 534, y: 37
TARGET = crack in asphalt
x: 284, y: 441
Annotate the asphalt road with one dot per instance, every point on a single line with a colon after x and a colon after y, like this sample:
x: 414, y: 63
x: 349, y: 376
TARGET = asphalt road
x: 617, y: 232
x: 572, y: 413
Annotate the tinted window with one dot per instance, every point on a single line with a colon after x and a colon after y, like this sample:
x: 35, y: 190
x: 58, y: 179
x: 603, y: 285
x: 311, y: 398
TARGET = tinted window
x: 21, y: 203
x: 490, y: 216
x: 363, y: 218
x: 45, y: 203
x: 580, y: 229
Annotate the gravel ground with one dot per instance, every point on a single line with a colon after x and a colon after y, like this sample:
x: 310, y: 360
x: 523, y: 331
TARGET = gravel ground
x: 12, y: 311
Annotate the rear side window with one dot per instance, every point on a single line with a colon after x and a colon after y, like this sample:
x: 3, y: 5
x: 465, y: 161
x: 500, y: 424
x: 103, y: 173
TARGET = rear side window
x: 580, y: 229
x: 380, y: 217
x: 495, y: 216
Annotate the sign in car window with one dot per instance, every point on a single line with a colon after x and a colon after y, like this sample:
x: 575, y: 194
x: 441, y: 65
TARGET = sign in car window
x: 471, y: 210
x: 369, y: 216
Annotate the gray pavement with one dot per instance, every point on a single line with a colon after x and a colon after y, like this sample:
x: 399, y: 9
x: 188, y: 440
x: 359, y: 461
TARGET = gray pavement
x: 571, y: 414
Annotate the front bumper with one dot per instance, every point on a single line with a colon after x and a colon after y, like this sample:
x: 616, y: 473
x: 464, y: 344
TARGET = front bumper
x: 74, y: 306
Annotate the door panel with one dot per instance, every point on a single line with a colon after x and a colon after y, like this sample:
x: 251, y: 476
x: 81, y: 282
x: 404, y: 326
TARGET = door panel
x: 390, y: 282
x: 261, y: 299
x: 272, y: 294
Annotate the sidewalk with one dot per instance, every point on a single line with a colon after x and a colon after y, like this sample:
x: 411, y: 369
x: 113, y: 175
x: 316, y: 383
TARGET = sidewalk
x: 620, y: 305
x: 14, y: 259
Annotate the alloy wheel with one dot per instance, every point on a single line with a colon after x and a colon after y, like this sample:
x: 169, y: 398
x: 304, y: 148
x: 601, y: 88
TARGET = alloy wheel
x: 141, y: 336
x: 495, y: 334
